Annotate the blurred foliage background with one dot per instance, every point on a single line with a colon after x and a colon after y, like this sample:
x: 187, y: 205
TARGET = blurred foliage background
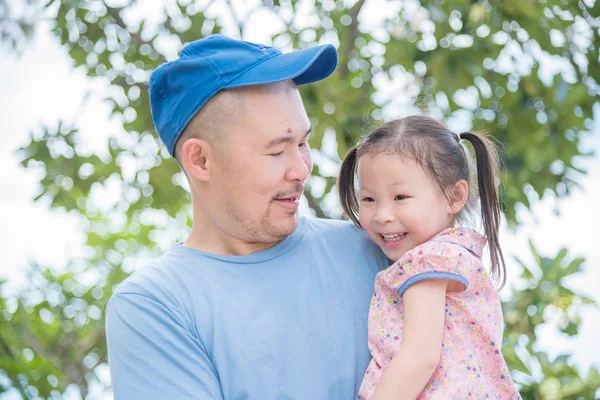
x: 527, y: 71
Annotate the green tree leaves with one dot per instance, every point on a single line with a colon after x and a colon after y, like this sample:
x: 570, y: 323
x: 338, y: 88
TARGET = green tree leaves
x: 526, y: 72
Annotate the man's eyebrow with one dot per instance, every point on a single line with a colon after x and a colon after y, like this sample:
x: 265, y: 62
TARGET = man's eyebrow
x: 286, y: 139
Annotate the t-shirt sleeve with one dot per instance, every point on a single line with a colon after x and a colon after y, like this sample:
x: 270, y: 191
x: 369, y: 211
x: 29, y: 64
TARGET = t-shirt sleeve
x: 434, y: 260
x: 152, y: 355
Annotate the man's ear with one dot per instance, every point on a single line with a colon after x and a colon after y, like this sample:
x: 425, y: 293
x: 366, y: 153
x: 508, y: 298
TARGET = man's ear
x: 197, y: 158
x: 458, y: 196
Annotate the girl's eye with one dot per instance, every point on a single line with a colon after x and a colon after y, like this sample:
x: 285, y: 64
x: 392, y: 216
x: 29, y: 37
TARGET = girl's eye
x: 400, y: 197
x: 303, y: 145
x: 368, y: 199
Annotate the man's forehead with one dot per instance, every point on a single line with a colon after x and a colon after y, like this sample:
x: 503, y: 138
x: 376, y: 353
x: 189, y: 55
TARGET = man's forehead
x: 268, y: 114
x: 289, y: 136
x: 269, y: 129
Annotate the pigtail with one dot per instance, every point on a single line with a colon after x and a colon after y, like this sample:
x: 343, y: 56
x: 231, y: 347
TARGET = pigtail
x: 486, y: 156
x: 346, y: 187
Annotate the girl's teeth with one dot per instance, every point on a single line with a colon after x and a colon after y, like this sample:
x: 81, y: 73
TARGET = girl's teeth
x: 394, y: 237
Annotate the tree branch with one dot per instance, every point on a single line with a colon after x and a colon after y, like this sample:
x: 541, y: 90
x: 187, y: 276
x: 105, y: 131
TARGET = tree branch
x: 236, y: 20
x: 86, y: 345
x: 6, y: 348
x: 352, y: 35
x: 312, y: 203
x: 73, y: 374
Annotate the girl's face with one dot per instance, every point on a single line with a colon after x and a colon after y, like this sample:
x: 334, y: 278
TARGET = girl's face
x: 400, y: 206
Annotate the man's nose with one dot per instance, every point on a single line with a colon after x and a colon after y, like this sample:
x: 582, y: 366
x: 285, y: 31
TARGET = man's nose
x: 299, y: 166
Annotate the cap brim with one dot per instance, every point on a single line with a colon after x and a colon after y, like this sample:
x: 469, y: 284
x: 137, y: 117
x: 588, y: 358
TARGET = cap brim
x: 302, y: 66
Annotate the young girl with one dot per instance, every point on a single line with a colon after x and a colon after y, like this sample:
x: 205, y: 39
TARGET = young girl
x: 435, y: 322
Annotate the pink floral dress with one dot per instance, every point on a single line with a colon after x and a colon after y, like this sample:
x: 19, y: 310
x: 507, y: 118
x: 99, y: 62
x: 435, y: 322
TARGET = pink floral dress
x: 471, y: 365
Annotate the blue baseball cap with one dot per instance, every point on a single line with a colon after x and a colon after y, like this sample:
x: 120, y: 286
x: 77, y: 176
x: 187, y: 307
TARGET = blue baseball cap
x: 178, y: 89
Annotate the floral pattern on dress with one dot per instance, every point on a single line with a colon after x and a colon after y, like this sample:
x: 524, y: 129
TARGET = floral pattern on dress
x: 471, y: 364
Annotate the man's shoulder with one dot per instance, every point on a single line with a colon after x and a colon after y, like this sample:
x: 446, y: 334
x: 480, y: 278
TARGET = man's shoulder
x: 333, y: 226
x: 140, y: 280
x: 162, y: 275
x: 343, y: 239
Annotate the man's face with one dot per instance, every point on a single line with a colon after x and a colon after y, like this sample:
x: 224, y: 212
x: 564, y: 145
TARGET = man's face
x: 258, y: 182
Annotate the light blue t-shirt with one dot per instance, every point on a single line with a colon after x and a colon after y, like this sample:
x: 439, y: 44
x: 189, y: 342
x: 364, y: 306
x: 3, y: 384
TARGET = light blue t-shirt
x: 286, y: 323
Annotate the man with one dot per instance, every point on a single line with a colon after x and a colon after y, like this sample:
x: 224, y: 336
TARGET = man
x: 257, y: 303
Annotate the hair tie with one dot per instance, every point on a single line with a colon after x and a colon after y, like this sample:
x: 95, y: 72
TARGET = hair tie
x: 459, y: 138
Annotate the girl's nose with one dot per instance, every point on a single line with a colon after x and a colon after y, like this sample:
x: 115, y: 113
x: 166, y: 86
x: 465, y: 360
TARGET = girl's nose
x: 384, y: 215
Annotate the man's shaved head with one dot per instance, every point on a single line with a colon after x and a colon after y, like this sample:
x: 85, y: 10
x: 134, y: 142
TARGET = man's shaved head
x: 213, y: 119
x: 220, y: 114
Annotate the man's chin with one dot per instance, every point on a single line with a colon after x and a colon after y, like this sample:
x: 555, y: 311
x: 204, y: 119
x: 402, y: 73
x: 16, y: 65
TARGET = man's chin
x: 285, y: 227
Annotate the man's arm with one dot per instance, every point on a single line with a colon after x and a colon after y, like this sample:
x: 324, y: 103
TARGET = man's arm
x: 410, y: 370
x: 152, y: 355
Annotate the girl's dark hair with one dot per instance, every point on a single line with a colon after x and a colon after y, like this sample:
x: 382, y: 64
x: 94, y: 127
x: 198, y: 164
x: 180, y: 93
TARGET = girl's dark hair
x: 438, y: 151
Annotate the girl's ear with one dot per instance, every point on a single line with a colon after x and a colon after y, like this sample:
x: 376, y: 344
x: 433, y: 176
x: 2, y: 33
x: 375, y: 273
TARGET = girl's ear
x: 459, y: 195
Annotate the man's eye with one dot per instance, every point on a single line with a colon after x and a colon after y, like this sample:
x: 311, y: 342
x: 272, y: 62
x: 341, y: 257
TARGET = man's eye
x: 276, y: 154
x: 302, y: 145
x: 400, y: 197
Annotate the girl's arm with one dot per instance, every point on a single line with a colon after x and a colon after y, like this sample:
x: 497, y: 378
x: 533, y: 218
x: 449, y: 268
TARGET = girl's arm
x: 410, y: 370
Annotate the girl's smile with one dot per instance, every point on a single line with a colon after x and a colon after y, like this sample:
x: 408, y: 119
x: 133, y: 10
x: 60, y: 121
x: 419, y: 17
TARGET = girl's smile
x: 392, y: 240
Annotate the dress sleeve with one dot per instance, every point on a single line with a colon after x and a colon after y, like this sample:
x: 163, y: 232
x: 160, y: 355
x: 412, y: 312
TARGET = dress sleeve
x: 153, y: 355
x: 434, y: 260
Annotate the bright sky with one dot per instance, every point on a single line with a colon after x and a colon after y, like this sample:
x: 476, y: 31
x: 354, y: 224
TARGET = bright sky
x: 41, y: 87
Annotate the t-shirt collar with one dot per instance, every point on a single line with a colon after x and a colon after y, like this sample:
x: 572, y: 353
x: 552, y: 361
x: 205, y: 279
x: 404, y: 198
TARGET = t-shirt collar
x: 254, y: 258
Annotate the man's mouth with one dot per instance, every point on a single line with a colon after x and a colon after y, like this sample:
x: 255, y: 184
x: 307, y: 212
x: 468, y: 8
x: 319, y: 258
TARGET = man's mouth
x: 293, y: 199
x: 392, y: 237
x: 289, y: 203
